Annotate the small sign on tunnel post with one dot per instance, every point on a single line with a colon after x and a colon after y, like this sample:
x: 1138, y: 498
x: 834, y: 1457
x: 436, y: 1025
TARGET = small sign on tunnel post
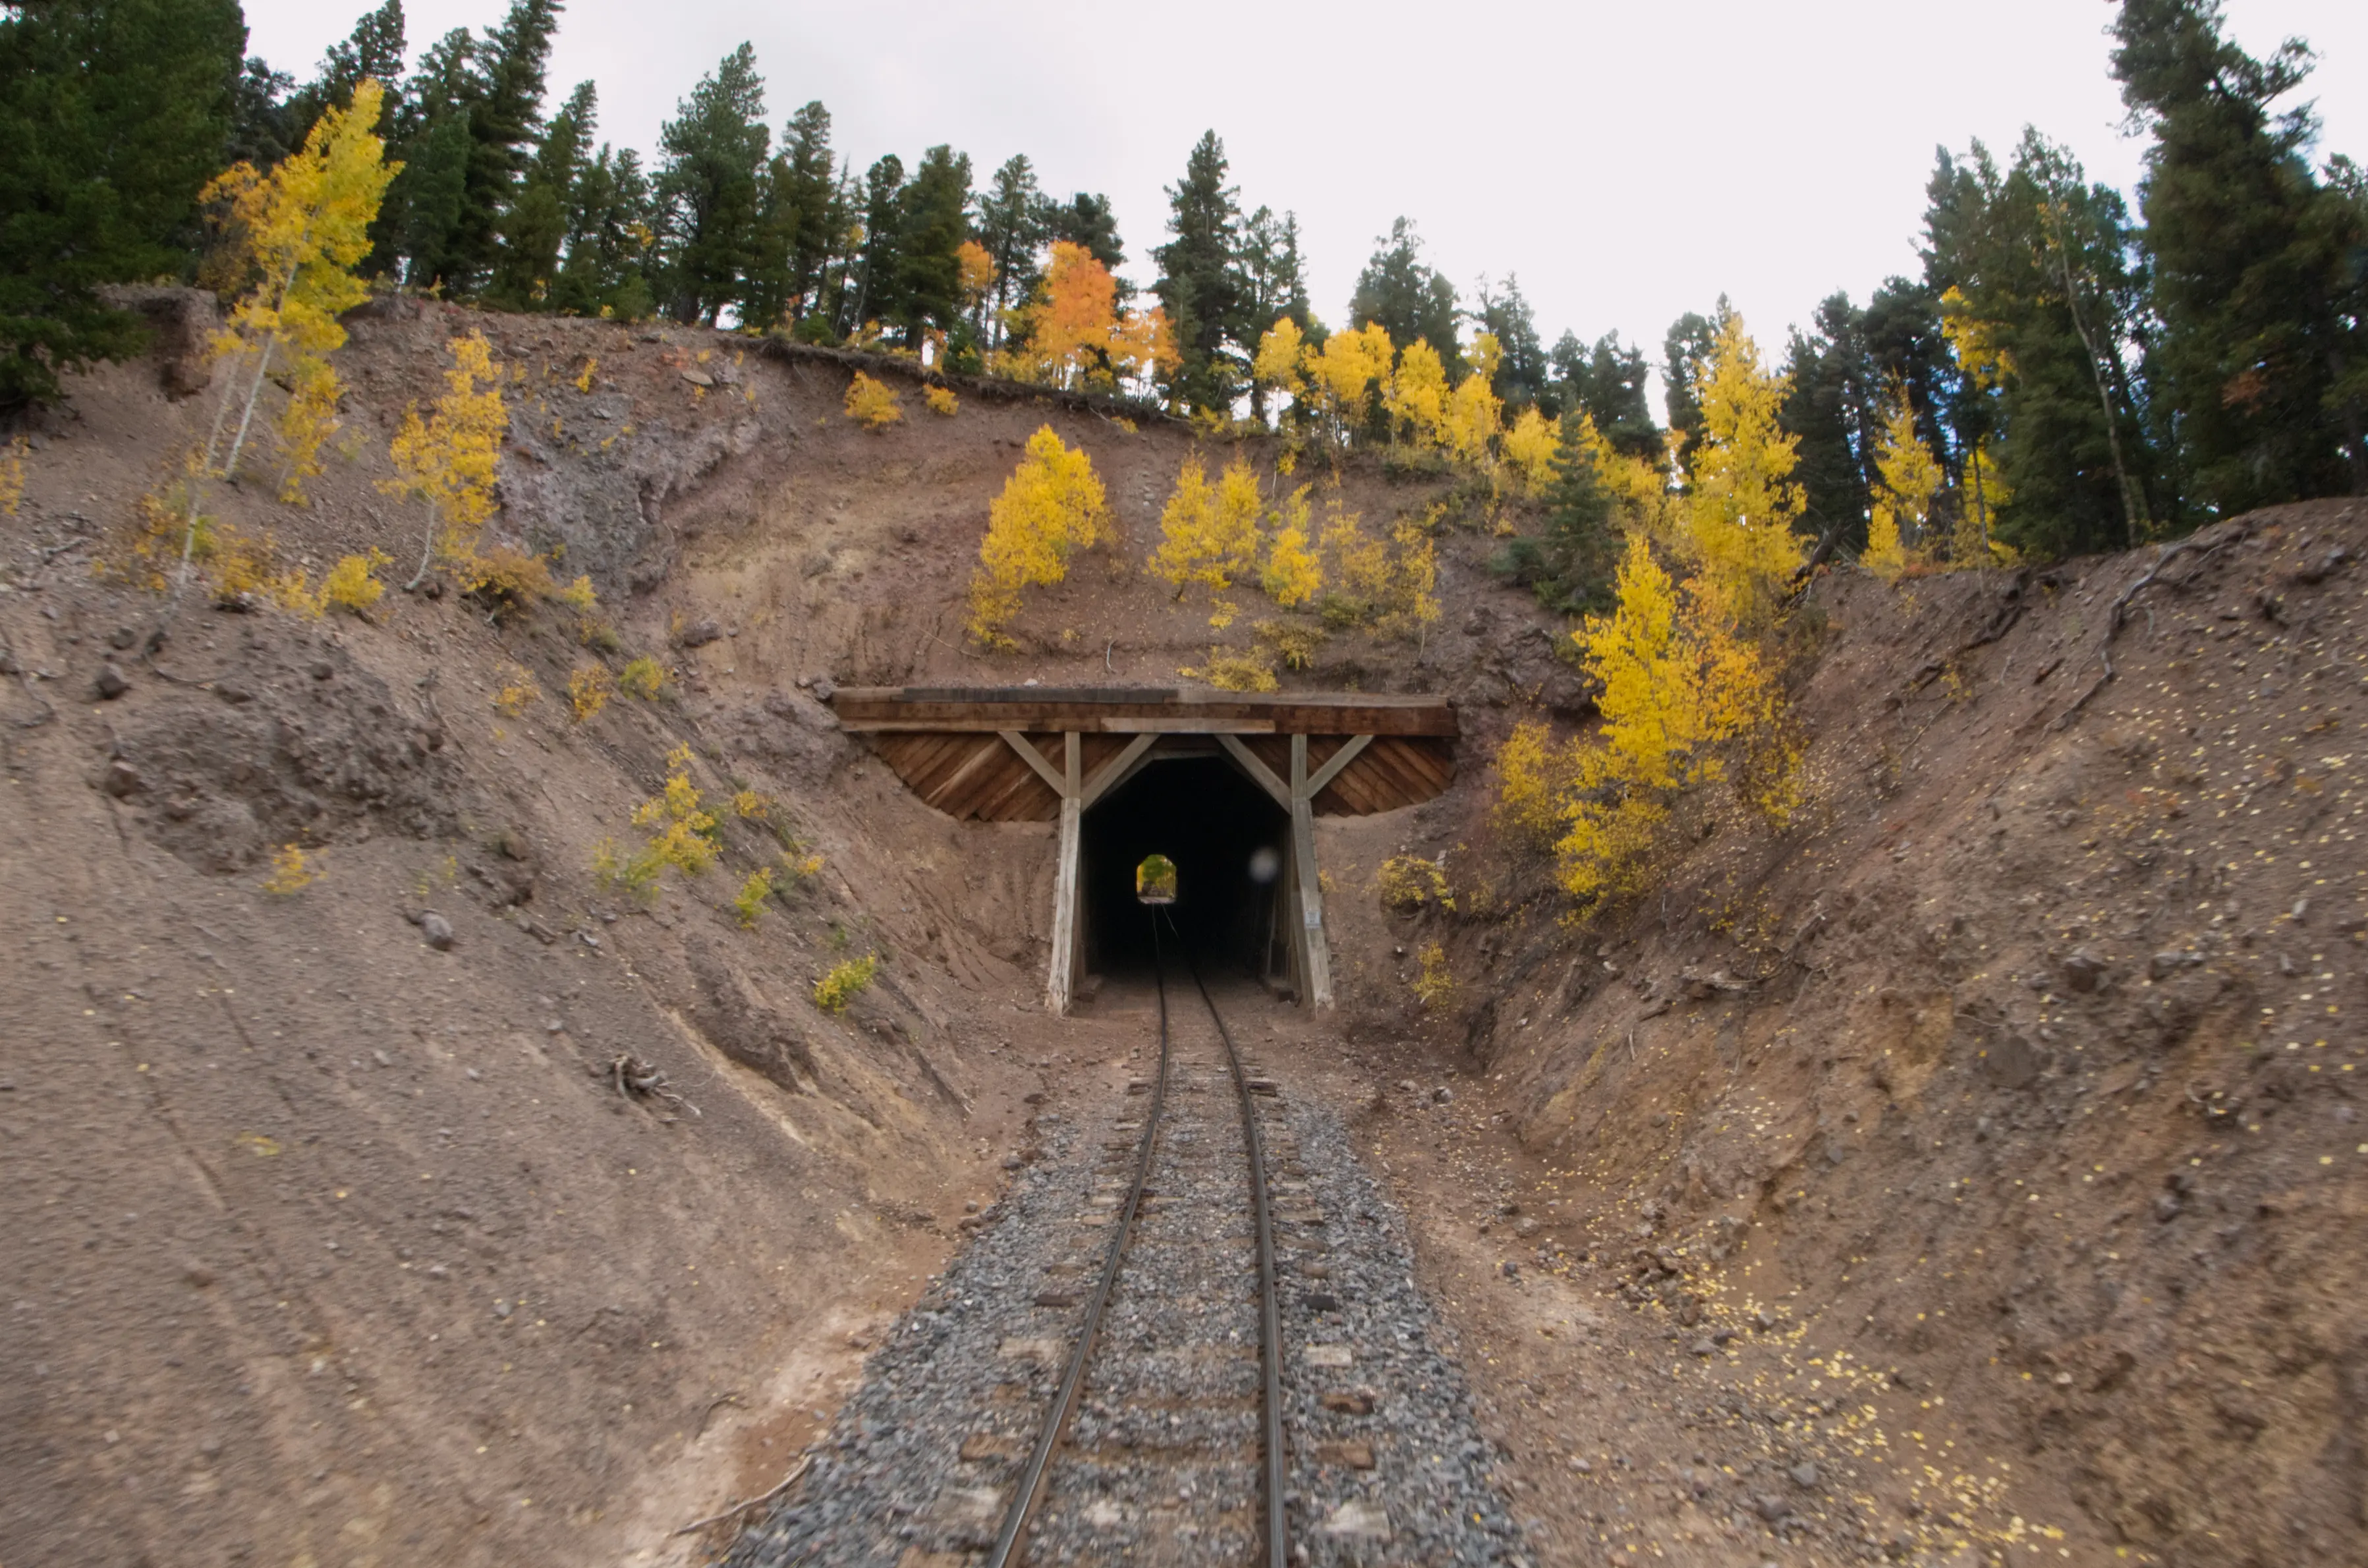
x: 1154, y: 881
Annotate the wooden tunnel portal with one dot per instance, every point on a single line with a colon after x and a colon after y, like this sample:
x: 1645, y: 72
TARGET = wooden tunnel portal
x: 1048, y: 754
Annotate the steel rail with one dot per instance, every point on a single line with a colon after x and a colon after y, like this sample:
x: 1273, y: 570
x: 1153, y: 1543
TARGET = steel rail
x: 1009, y: 1544
x: 1278, y: 1528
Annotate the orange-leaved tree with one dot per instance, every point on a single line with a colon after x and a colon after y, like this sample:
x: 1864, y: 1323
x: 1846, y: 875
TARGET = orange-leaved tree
x: 1051, y: 507
x: 447, y: 460
x: 297, y: 232
x: 1075, y: 334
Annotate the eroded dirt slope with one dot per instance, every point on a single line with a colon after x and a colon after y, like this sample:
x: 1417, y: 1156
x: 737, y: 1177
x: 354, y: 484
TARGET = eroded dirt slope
x: 1976, y: 1168
x: 337, y: 1247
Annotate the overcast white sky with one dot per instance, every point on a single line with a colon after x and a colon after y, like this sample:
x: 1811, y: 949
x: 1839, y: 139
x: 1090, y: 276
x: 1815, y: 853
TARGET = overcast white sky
x: 1628, y: 162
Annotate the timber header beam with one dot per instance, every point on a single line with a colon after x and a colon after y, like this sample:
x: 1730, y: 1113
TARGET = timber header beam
x: 1136, y: 710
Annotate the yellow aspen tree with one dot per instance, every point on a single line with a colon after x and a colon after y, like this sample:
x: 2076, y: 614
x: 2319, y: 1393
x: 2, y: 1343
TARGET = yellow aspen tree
x: 1077, y: 336
x: 1534, y: 779
x: 1529, y: 450
x: 1183, y: 525
x: 1142, y: 346
x: 1743, y: 505
x: 1900, y: 528
x: 447, y: 460
x: 975, y: 277
x: 1417, y: 398
x: 1474, y: 414
x: 309, y: 419
x: 1293, y: 573
x: 1343, y: 374
x: 1209, y: 534
x: 1276, y: 366
x: 1358, y: 562
x: 1676, y: 682
x: 1973, y: 344
x: 1413, y: 597
x: 303, y: 229
x: 1051, y: 507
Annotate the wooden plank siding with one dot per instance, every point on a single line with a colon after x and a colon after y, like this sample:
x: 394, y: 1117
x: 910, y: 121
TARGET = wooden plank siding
x: 944, y: 744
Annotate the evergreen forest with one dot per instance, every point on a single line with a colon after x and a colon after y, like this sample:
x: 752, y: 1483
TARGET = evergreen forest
x: 2067, y: 373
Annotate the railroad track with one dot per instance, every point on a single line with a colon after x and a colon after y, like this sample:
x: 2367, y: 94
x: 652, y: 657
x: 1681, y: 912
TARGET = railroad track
x: 1174, y: 1268
x: 1099, y: 1378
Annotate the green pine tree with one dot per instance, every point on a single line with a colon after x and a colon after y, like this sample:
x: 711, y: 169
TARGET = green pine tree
x: 534, y: 229
x: 1831, y: 411
x: 707, y: 189
x: 113, y: 114
x: 2045, y: 265
x: 796, y: 224
x: 2250, y: 262
x: 1274, y: 286
x: 374, y: 50
x: 505, y: 123
x: 1683, y: 350
x: 1410, y: 301
x: 871, y: 285
x: 1523, y: 374
x: 1609, y: 383
x: 610, y: 236
x: 415, y: 235
x: 1011, y: 228
x: 1570, y: 566
x: 1200, y: 281
x: 933, y: 211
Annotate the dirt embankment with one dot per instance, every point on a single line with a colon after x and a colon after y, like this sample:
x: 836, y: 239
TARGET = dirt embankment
x: 339, y: 1240
x: 1975, y: 1170
x: 1960, y: 1171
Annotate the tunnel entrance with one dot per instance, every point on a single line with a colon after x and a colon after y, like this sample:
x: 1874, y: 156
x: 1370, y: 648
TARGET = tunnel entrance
x: 1210, y: 779
x: 1228, y: 839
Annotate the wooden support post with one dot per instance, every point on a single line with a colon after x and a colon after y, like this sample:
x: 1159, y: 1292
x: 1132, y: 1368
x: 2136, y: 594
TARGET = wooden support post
x: 1065, y: 884
x: 1318, y: 948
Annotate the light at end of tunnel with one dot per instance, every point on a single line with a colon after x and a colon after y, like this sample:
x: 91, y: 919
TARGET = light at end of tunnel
x: 1265, y: 865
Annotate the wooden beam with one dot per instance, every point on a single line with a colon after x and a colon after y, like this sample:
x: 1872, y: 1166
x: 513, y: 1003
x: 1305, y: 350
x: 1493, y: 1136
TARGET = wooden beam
x: 1311, y: 883
x: 1035, y: 759
x: 1261, y: 774
x: 1108, y: 775
x: 1059, y: 982
x: 1118, y: 710
x: 1071, y: 784
x: 1339, y: 759
x: 1164, y: 724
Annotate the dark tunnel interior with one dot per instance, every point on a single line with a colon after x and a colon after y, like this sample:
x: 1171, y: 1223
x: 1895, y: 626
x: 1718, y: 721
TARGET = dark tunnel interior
x: 1204, y: 814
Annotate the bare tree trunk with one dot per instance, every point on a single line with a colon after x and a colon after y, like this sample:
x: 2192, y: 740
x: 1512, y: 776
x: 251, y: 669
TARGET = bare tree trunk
x: 2132, y: 507
x: 427, y: 555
